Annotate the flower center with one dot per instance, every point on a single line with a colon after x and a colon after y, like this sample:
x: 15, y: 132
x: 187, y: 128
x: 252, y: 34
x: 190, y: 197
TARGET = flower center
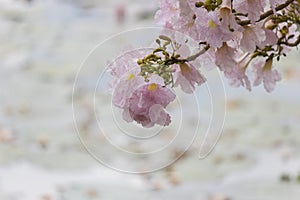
x: 152, y: 87
x: 184, y: 68
x: 268, y: 65
x: 130, y: 77
x: 211, y: 24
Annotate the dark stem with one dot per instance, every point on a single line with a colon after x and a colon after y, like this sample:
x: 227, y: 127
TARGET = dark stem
x: 193, y: 57
x: 292, y: 44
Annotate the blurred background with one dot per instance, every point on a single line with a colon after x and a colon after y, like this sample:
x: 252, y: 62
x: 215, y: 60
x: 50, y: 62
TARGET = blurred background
x: 43, y: 42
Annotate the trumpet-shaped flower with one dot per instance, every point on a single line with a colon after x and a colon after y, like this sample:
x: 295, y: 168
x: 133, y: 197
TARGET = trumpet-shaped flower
x: 187, y: 77
x: 146, y: 105
x: 225, y: 57
x: 253, y: 8
x: 237, y: 74
x: 237, y: 77
x: 124, y: 88
x: 264, y: 73
x: 252, y: 36
x: 210, y: 28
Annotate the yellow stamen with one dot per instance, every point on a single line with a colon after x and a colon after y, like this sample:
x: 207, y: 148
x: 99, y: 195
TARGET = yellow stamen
x: 152, y: 87
x: 211, y: 24
x: 130, y: 77
x: 184, y: 68
x: 268, y: 65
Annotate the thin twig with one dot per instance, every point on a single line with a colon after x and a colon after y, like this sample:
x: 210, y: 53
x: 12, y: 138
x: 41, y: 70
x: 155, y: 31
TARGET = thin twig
x: 193, y: 57
x: 268, y: 13
x: 293, y: 44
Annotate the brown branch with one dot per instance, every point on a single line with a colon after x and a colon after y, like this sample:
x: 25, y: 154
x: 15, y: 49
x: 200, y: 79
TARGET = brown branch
x: 293, y: 44
x: 195, y: 56
x: 268, y: 13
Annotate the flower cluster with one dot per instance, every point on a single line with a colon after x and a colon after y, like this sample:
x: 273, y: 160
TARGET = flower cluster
x: 142, y: 88
x: 242, y: 35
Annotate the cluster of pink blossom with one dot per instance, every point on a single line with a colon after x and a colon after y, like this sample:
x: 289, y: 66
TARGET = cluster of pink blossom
x: 145, y: 101
x: 240, y: 37
x: 244, y: 36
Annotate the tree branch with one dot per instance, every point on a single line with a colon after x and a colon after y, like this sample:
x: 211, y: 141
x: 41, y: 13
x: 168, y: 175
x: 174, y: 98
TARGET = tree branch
x: 293, y: 44
x: 193, y: 57
x: 268, y: 13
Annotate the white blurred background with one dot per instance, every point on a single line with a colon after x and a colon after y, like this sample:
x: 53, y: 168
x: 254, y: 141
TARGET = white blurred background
x: 43, y: 42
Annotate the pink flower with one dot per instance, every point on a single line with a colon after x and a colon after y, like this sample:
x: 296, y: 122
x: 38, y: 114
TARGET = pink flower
x: 251, y: 7
x: 228, y: 19
x: 237, y: 78
x: 252, y: 36
x: 271, y: 38
x: 187, y: 26
x: 168, y: 12
x: 186, y: 21
x: 237, y: 74
x: 264, y: 73
x: 140, y: 101
x: 225, y: 57
x: 125, y: 87
x: 211, y: 29
x: 146, y: 105
x: 177, y: 15
x: 159, y: 116
x: 125, y: 77
x: 188, y: 77
x: 125, y: 63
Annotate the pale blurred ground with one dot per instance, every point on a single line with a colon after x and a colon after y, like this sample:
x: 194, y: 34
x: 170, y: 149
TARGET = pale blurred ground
x: 42, y: 44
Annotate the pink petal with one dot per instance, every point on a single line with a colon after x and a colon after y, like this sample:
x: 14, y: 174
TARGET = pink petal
x: 158, y: 115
